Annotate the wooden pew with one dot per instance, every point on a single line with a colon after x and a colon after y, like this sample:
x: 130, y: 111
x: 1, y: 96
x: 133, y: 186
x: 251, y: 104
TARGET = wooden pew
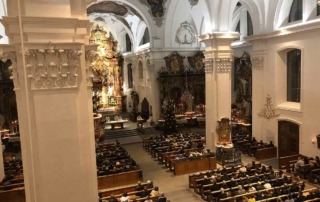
x: 11, y: 186
x: 127, y: 189
x: 266, y: 153
x: 184, y: 166
x: 15, y: 195
x: 284, y: 162
x: 120, y: 179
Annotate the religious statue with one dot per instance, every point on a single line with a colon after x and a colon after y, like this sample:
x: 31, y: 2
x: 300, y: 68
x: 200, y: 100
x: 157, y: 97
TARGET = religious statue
x: 223, y: 130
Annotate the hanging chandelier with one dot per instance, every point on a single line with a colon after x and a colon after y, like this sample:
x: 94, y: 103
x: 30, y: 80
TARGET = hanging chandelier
x: 268, y: 112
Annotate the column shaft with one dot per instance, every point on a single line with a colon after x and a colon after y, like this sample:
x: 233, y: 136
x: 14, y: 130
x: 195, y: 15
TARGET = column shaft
x: 218, y: 60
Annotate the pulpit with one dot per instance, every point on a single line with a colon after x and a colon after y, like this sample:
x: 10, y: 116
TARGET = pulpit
x: 227, y: 155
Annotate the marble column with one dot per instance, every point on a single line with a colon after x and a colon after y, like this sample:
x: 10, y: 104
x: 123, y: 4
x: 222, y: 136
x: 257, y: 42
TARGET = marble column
x: 218, y: 63
x: 53, y: 90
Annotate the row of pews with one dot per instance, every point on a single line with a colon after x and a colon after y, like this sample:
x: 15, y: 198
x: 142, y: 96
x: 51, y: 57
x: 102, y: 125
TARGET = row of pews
x: 181, y: 153
x: 12, y: 186
x: 223, y: 185
x: 309, y: 171
x: 115, y: 167
x: 251, y: 147
x: 135, y: 192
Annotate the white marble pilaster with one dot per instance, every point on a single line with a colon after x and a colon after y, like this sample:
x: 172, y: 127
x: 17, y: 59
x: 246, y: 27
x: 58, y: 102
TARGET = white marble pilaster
x: 258, y: 93
x: 53, y: 90
x: 218, y: 63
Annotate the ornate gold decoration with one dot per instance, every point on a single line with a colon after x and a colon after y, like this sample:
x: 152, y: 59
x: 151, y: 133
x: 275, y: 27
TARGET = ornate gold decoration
x: 107, y: 75
x: 223, y: 130
x: 268, y: 112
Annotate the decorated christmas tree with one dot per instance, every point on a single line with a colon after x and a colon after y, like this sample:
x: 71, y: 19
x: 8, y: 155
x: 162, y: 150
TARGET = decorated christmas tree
x: 170, y: 119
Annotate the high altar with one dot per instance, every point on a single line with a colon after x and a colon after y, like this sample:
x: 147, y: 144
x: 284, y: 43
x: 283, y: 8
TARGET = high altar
x: 107, y: 81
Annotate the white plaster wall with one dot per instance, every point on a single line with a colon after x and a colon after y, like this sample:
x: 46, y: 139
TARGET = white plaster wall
x: 272, y: 81
x: 3, y: 12
x: 56, y: 8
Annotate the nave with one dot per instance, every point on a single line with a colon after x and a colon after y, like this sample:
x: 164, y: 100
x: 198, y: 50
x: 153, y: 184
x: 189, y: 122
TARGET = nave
x: 176, y: 187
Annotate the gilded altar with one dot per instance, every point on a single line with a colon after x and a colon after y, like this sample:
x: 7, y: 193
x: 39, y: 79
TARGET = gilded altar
x: 107, y: 81
x: 224, y: 131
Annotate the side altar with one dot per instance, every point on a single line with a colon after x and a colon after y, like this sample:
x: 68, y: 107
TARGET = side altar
x: 226, y: 153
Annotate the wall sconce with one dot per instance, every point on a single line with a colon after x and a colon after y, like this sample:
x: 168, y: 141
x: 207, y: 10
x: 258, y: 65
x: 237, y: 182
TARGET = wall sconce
x: 313, y: 140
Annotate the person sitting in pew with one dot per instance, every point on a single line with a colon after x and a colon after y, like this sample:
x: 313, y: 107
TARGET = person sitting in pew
x: 232, y: 183
x: 125, y: 197
x: 300, y: 197
x: 215, y: 186
x: 267, y: 185
x: 139, y: 187
x: 222, y: 194
x: 144, y: 193
x: 112, y: 198
x: 162, y: 198
x: 241, y: 190
x: 259, y: 186
x: 295, y: 187
x: 148, y: 199
x: 155, y: 192
x: 270, y: 144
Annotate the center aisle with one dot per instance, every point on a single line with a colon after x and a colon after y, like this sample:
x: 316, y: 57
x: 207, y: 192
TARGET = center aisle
x: 176, y: 188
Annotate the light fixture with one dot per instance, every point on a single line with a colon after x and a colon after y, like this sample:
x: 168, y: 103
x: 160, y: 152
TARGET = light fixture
x: 318, y: 2
x: 268, y: 112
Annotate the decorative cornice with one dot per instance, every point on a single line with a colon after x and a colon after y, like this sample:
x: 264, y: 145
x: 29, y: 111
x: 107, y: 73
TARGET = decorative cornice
x: 128, y: 60
x: 52, y: 68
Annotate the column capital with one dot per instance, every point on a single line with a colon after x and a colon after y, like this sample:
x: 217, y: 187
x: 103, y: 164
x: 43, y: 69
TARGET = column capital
x: 257, y: 59
x: 52, y: 66
x: 219, y: 40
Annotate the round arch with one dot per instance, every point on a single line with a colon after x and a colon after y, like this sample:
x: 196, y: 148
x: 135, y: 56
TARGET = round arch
x: 227, y: 23
x: 141, y: 10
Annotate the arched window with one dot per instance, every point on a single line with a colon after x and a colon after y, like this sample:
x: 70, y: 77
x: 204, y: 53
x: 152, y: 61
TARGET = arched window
x: 295, y: 11
x: 128, y: 43
x: 249, y: 25
x: 130, y: 79
x: 140, y: 70
x: 293, y: 75
x: 146, y: 38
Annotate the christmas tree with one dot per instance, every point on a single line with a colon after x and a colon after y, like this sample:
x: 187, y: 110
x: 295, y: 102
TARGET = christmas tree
x: 170, y: 118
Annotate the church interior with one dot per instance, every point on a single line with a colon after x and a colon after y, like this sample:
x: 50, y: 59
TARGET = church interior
x: 159, y: 100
